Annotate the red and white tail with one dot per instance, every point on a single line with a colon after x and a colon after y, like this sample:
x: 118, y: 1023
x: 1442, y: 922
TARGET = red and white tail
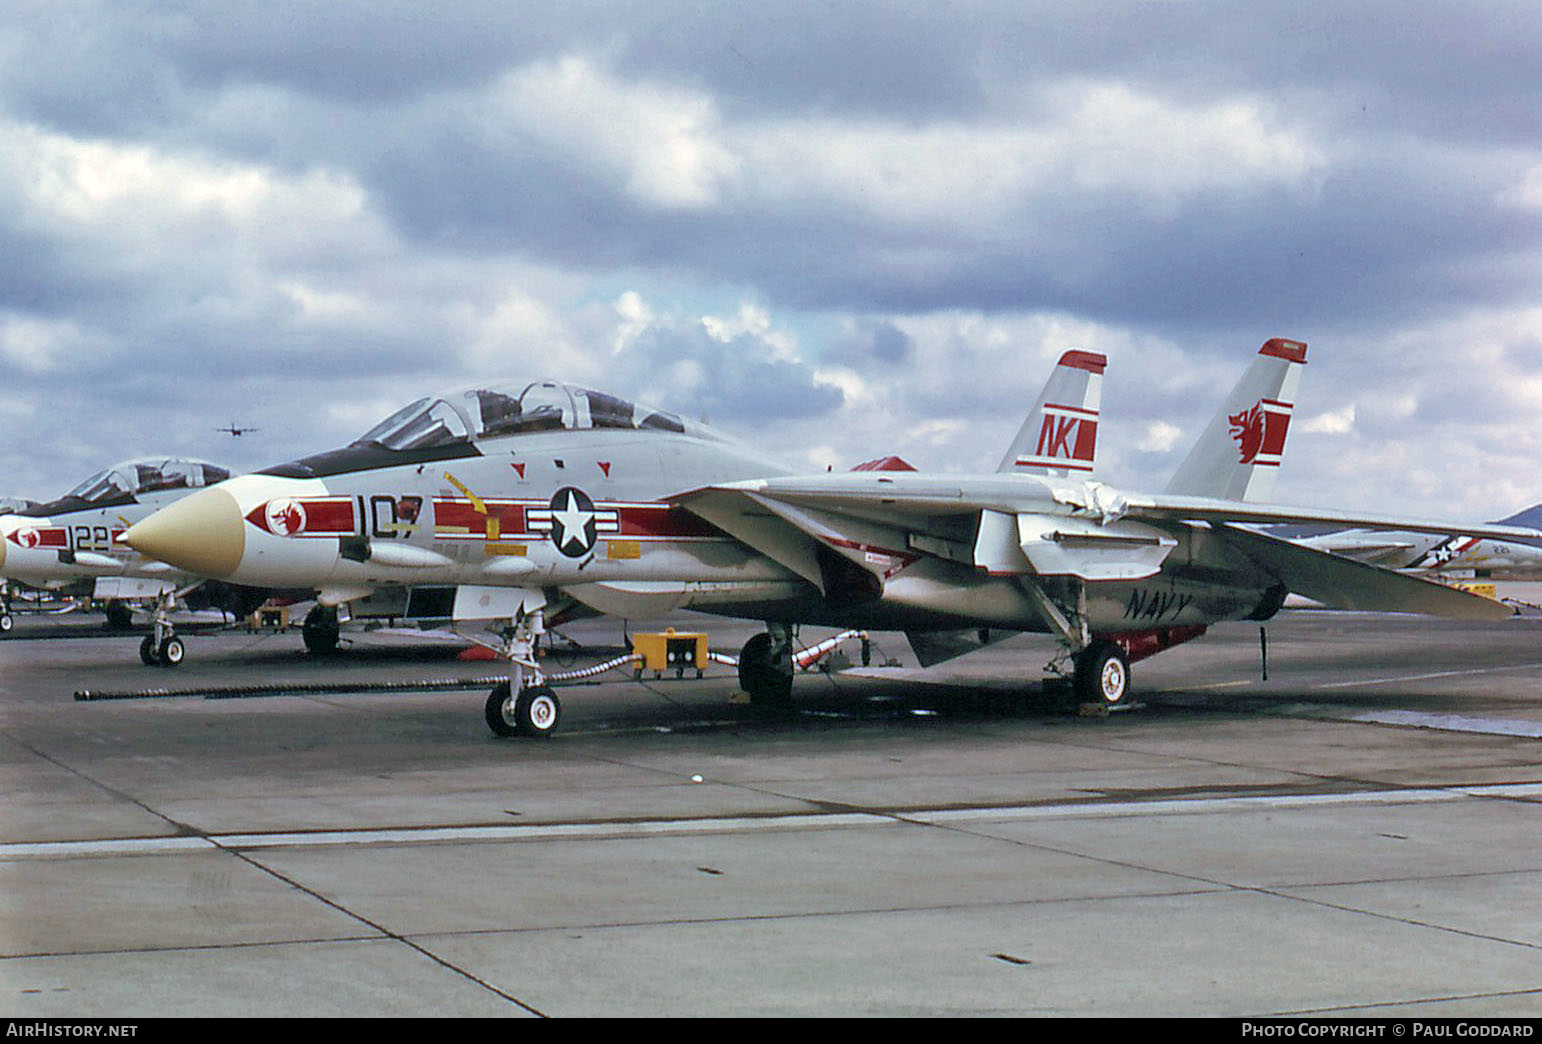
x: 1060, y: 436
x: 1238, y: 456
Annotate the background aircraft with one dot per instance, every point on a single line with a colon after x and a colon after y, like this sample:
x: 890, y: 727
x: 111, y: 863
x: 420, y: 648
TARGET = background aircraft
x: 76, y: 539
x: 10, y: 505
x: 523, y: 504
x: 1437, y: 554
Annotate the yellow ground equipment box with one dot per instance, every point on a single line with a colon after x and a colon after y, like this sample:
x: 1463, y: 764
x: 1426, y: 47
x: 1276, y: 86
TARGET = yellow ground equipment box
x: 269, y: 617
x: 1484, y: 588
x: 660, y: 651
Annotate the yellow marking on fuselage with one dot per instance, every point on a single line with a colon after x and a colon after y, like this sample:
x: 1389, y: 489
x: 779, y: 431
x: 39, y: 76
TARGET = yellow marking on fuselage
x: 476, y: 502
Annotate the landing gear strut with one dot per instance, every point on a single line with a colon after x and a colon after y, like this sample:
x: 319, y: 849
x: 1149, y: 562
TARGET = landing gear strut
x: 524, y: 705
x: 1099, y: 669
x: 765, y: 667
x: 162, y: 647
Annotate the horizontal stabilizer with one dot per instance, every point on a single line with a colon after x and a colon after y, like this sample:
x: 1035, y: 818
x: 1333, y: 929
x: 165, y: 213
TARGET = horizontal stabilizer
x: 1342, y: 583
x: 1167, y: 506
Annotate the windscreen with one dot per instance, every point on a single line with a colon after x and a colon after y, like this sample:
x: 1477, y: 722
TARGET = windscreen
x: 426, y: 422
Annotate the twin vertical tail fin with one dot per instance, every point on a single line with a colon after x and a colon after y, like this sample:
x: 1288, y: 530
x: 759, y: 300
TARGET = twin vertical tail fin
x: 1060, y: 436
x: 1238, y: 456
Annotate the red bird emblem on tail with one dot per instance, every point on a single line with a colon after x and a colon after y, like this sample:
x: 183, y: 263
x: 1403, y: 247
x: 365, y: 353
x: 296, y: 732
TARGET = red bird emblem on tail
x: 1247, y: 428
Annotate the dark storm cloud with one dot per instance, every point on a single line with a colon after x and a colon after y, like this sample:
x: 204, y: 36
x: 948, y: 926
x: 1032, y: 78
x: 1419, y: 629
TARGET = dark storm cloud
x: 412, y: 78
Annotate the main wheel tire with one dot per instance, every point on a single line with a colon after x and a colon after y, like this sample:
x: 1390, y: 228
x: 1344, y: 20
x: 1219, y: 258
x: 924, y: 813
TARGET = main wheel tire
x: 768, y: 682
x: 172, y: 652
x: 7, y: 621
x: 147, y: 652
x: 1103, y: 674
x: 320, y: 631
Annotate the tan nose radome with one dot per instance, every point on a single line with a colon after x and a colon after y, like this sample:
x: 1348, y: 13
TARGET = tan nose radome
x: 203, y: 534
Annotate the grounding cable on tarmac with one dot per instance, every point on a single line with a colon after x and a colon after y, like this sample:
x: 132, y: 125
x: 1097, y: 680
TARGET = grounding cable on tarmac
x: 237, y: 692
x: 803, y: 659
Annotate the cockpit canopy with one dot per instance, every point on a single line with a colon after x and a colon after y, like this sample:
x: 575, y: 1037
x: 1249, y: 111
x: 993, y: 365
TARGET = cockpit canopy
x: 496, y: 411
x: 150, y: 475
x: 15, y: 505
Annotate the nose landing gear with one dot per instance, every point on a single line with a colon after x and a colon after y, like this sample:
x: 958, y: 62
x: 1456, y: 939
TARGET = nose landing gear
x: 524, y: 705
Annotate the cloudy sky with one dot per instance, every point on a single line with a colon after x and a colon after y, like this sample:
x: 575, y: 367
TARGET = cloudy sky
x: 840, y: 228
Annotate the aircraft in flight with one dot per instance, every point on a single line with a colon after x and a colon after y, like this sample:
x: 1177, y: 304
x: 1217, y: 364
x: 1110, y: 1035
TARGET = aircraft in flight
x: 77, y: 538
x: 524, y: 503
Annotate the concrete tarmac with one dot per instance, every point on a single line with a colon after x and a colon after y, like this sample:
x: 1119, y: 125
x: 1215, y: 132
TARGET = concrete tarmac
x: 1355, y: 836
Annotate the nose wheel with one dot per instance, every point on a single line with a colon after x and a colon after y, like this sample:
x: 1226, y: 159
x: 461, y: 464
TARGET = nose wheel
x: 162, y: 647
x: 168, y: 652
x: 524, y: 705
x: 535, y: 711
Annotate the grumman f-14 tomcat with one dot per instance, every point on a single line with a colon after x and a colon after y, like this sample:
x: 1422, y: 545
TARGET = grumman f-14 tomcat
x: 78, y: 538
x: 1436, y: 554
x: 521, y: 503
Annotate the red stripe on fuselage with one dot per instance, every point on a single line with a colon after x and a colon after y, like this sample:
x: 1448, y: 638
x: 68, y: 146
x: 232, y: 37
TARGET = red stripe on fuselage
x: 456, y: 519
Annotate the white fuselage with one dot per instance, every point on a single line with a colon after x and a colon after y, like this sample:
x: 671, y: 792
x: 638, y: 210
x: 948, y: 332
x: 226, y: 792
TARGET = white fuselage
x: 590, y: 512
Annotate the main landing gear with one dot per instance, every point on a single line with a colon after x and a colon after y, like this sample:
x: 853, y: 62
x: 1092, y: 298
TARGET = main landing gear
x: 524, y: 705
x: 321, y: 631
x: 765, y: 667
x: 1099, y: 669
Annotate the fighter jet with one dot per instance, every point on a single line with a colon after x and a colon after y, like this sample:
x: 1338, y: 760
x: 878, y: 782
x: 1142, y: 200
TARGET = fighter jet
x: 527, y: 503
x: 1436, y: 554
x: 77, y: 538
x: 521, y: 503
